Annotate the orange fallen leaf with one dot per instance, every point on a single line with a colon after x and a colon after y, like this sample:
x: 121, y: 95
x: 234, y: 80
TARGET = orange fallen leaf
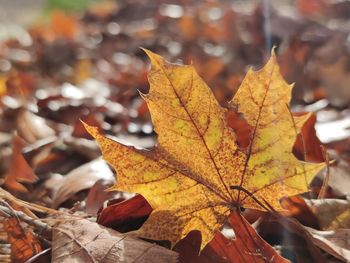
x: 24, y: 244
x: 19, y: 170
x: 20, y: 84
x: 63, y: 25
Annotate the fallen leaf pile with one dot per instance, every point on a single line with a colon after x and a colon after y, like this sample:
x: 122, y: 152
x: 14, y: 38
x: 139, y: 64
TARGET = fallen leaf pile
x: 213, y: 157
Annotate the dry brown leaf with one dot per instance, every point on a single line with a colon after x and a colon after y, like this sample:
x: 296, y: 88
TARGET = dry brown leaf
x: 298, y: 209
x: 334, y: 242
x: 97, y: 195
x: 32, y: 127
x: 82, y: 241
x: 81, y: 178
x: 331, y: 213
x: 339, y: 179
x: 291, y: 235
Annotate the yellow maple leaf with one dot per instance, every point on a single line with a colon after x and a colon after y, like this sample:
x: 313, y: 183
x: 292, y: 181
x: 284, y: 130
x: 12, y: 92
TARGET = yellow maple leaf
x: 197, y: 174
x: 271, y: 170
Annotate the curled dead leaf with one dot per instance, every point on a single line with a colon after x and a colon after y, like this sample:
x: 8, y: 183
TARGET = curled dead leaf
x: 335, y: 242
x: 298, y: 208
x: 81, y: 178
x: 126, y: 215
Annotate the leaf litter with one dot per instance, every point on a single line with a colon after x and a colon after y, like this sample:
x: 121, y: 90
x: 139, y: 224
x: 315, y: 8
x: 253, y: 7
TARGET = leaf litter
x: 96, y: 78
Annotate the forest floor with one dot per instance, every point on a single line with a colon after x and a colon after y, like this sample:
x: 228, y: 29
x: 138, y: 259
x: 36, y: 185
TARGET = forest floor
x: 88, y: 66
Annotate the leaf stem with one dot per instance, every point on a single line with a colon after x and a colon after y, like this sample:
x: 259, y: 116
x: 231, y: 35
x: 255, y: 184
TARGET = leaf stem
x: 241, y: 188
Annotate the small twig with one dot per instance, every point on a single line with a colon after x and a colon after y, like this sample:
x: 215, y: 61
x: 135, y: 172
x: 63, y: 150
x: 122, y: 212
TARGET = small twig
x: 28, y: 207
x: 323, y: 189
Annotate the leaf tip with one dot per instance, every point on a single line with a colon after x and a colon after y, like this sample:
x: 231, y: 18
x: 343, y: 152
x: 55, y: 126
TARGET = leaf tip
x: 273, y: 58
x: 92, y: 130
x: 156, y: 59
x: 273, y: 52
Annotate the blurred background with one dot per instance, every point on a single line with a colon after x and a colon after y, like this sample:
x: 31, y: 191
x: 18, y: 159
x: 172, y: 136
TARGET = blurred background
x: 25, y: 12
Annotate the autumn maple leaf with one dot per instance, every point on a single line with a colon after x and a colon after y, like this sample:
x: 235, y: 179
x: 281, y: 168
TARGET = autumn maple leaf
x: 197, y: 174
